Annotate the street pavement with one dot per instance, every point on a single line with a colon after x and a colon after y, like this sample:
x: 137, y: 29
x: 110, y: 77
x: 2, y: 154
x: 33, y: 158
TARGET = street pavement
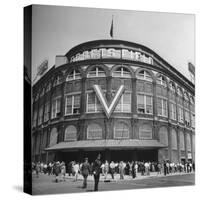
x: 46, y: 184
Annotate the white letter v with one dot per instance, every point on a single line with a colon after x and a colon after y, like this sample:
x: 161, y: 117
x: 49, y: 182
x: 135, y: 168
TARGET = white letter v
x: 108, y: 109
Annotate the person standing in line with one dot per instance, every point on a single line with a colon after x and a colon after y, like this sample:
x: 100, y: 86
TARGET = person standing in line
x: 96, y: 171
x: 112, y: 169
x: 165, y: 168
x: 37, y: 169
x: 57, y: 170
x: 159, y: 168
x: 133, y: 169
x: 76, y: 170
x: 85, y: 169
x: 106, y: 169
x: 121, y: 170
x: 63, y: 170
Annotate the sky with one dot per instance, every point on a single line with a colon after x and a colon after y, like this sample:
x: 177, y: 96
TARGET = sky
x: 57, y: 29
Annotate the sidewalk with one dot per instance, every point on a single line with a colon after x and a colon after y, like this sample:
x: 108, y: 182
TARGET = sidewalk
x: 126, y: 177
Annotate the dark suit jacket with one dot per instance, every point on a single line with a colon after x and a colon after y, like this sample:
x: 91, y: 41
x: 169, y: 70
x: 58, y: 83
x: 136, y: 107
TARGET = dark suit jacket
x: 97, y: 167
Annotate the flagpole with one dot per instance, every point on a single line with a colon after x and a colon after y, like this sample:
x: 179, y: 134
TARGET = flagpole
x: 111, y: 28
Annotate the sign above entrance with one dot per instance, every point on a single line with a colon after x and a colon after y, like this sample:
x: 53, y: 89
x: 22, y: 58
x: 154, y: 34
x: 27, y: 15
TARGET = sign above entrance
x: 108, y: 109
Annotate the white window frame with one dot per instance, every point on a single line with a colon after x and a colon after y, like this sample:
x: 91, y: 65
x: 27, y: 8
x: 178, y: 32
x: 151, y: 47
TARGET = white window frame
x: 180, y: 114
x: 160, y: 81
x: 54, y: 115
x: 73, y: 96
x: 95, y: 104
x: 145, y: 103
x: 97, y: 74
x: 122, y: 104
x: 162, y: 110
x: 122, y: 73
x: 173, y: 110
x: 75, y: 76
x: 146, y: 77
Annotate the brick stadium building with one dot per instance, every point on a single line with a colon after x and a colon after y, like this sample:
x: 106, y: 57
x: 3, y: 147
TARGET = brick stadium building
x: 113, y: 97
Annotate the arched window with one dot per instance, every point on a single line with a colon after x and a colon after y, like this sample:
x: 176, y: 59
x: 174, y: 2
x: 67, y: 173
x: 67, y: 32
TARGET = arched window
x: 74, y: 75
x: 145, y: 132
x: 94, y: 131
x: 163, y: 136
x: 48, y: 87
x: 144, y: 75
x: 57, y: 81
x: 53, y: 137
x: 182, y: 141
x: 122, y: 72
x: 96, y: 72
x: 188, y: 142
x: 179, y: 92
x: 161, y: 80
x: 172, y: 87
x: 174, y: 139
x: 121, y: 130
x: 70, y: 133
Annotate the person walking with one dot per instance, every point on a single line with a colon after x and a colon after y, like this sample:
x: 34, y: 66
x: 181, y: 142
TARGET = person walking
x: 112, y: 169
x: 85, y: 169
x: 57, y: 170
x: 96, y: 171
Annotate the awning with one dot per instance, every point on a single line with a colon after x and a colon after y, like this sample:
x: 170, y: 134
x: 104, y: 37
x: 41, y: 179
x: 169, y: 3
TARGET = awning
x: 106, y: 144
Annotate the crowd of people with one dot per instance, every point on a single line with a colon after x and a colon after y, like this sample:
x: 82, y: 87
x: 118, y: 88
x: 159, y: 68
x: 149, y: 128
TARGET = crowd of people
x: 133, y: 168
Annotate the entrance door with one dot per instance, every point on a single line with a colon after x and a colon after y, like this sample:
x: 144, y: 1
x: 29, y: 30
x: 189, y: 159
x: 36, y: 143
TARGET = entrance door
x: 148, y: 155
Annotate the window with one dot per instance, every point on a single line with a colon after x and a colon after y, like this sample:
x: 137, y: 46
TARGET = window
x: 74, y: 75
x: 46, y: 111
x: 121, y: 130
x: 57, y: 81
x: 187, y: 118
x: 144, y: 104
x: 172, y: 111
x: 172, y: 87
x: 40, y: 115
x: 124, y: 104
x: 145, y: 132
x: 96, y: 72
x: 93, y: 104
x: 144, y: 75
x: 162, y: 107
x: 94, y: 131
x: 193, y: 120
x: 180, y: 114
x: 48, y: 87
x: 122, y: 72
x: 42, y: 92
x: 70, y: 133
x: 72, y: 104
x: 55, y: 107
x: 161, y: 80
x: 34, y: 118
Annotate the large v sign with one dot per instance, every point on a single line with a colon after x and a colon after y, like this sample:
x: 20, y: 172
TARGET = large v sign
x: 108, y: 109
